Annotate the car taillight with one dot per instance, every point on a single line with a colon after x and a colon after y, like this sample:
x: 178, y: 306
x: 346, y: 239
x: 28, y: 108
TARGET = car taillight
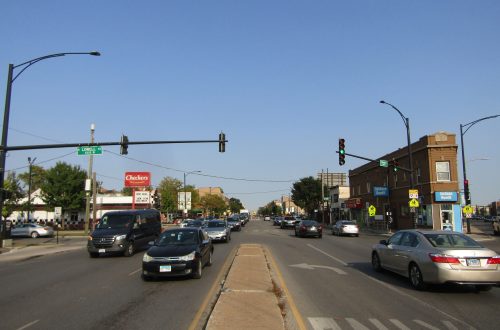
x: 443, y: 259
x: 494, y: 260
x: 303, y: 228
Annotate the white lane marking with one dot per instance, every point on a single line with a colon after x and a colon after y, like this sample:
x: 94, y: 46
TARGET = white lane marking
x: 378, y: 324
x: 135, y: 272
x: 28, y: 325
x: 306, y: 266
x: 390, y: 287
x: 449, y: 325
x: 355, y: 324
x: 328, y: 255
x: 323, y: 323
x: 399, y: 325
x: 425, y: 325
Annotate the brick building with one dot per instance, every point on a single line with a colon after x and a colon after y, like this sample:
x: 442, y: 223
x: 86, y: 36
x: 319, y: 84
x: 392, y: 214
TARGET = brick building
x: 435, y: 177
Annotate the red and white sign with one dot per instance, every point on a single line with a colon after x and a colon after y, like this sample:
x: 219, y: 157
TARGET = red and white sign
x: 137, y: 179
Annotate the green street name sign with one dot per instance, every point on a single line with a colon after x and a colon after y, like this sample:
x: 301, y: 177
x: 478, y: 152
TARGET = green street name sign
x: 383, y: 163
x: 86, y: 150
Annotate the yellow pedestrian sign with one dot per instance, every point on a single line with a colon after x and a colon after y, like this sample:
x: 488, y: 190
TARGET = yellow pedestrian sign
x: 468, y: 209
x: 372, y: 211
x: 413, y: 203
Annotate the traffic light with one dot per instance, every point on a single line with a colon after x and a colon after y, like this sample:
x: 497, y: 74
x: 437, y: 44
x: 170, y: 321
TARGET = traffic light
x: 466, y: 192
x: 341, y: 152
x: 124, y: 145
x: 395, y: 164
x: 222, y: 142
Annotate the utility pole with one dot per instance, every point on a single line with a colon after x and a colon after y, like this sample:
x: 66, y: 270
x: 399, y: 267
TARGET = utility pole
x: 94, y: 199
x: 30, y: 162
x: 88, y: 186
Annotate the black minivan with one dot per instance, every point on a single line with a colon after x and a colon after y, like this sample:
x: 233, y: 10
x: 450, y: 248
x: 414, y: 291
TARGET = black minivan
x: 124, y: 232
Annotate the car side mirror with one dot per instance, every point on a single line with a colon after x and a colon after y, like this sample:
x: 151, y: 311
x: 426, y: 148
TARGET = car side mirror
x: 383, y: 242
x: 205, y: 242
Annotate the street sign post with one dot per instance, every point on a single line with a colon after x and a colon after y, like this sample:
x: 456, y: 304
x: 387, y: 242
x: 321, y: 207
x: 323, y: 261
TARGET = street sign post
x: 89, y: 150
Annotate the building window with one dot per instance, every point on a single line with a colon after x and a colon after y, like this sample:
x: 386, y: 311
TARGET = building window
x: 443, y: 171
x: 368, y: 187
x: 418, y: 175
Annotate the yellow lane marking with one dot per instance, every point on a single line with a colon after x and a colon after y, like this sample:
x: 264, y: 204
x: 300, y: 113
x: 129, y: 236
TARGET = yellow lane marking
x: 291, y: 302
x: 215, y: 287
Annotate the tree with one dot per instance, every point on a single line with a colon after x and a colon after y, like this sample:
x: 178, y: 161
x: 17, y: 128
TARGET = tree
x: 235, y: 205
x: 168, y: 189
x: 13, y: 193
x: 213, y: 204
x: 37, y: 177
x: 306, y: 194
x: 64, y: 186
x: 271, y: 209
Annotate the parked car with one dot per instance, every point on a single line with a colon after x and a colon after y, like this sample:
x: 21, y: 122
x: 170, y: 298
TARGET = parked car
x: 426, y: 256
x: 277, y: 221
x: 267, y: 218
x: 31, y: 230
x: 288, y: 222
x: 124, y: 232
x: 218, y: 230
x: 178, y: 252
x: 234, y: 224
x: 345, y: 227
x: 305, y: 228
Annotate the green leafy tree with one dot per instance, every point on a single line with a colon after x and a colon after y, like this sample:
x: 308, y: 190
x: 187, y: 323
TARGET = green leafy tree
x: 271, y: 209
x: 64, y: 186
x: 37, y: 177
x: 213, y: 205
x: 168, y: 189
x: 306, y: 194
x: 13, y: 192
x: 235, y: 205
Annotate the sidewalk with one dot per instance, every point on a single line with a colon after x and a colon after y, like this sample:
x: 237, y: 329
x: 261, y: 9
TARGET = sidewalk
x: 27, y: 248
x: 249, y: 298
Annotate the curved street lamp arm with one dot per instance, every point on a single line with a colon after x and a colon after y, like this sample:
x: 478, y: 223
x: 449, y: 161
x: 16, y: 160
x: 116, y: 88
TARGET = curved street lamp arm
x: 29, y: 63
x: 405, y: 120
x: 472, y: 123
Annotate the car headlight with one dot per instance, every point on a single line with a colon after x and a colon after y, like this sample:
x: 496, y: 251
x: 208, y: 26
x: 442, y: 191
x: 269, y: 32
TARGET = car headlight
x: 147, y: 258
x: 121, y: 237
x: 188, y: 257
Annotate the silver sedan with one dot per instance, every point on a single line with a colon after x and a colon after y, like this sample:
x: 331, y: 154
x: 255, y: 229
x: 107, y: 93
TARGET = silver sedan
x: 437, y: 257
x: 32, y: 230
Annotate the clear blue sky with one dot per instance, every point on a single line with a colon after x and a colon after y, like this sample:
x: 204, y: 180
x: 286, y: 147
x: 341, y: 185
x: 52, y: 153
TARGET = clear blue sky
x: 283, y: 79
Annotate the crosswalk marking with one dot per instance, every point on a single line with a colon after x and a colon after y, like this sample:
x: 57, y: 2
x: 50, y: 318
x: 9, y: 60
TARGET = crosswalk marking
x: 328, y: 323
x: 355, y: 324
x: 399, y: 325
x: 323, y: 323
x: 378, y: 324
x: 425, y: 325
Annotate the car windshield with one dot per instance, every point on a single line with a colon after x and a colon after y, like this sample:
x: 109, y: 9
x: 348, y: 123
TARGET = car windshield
x: 115, y: 221
x: 216, y: 224
x: 196, y: 223
x: 231, y: 220
x: 452, y: 241
x: 309, y: 223
x: 178, y: 237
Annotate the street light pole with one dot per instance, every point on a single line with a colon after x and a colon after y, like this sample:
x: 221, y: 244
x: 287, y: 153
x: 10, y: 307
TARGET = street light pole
x: 30, y: 162
x: 406, y: 122
x: 184, y: 188
x: 88, y: 187
x: 466, y: 182
x: 10, y: 80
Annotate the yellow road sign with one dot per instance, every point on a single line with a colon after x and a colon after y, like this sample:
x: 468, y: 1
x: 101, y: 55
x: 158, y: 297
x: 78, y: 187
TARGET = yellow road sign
x: 413, y: 203
x: 467, y: 209
x: 372, y: 211
x: 413, y: 193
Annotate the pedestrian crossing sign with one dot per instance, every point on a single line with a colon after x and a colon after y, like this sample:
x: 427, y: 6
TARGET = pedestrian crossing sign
x: 413, y: 203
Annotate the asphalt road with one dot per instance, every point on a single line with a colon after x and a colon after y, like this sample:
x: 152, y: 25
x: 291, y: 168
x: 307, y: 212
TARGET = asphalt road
x: 330, y: 281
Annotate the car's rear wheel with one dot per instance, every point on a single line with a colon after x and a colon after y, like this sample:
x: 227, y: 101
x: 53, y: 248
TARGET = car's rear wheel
x: 416, y: 277
x: 376, y: 262
x: 198, y: 272
x: 34, y: 234
x: 129, y: 250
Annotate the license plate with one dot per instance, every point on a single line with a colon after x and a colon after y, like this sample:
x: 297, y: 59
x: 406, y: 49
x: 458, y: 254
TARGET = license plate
x: 102, y: 250
x: 165, y: 268
x: 473, y: 262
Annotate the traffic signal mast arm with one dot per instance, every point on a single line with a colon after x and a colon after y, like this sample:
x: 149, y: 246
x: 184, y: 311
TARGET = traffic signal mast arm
x: 69, y: 145
x: 374, y: 160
